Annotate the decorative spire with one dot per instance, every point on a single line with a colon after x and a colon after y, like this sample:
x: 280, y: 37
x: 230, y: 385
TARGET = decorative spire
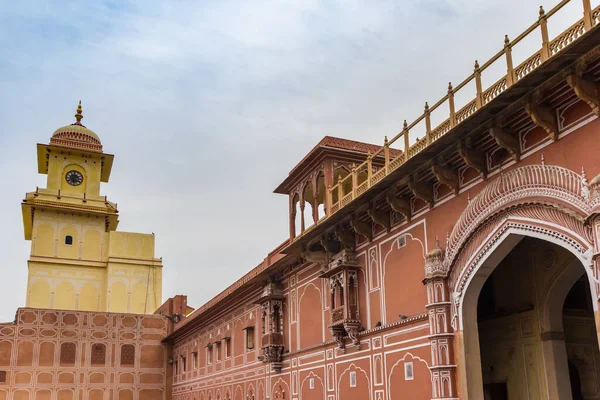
x: 449, y: 87
x: 426, y: 107
x: 79, y: 115
x: 405, y: 126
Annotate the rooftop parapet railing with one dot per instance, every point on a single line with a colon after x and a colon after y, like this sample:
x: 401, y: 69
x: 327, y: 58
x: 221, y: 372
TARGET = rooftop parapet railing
x: 482, y: 97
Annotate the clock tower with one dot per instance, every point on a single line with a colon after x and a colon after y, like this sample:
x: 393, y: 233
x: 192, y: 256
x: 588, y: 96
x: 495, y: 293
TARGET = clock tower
x: 78, y: 260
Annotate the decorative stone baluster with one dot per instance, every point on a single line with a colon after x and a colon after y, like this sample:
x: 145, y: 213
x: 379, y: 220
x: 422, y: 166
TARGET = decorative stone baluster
x: 386, y: 154
x: 479, y: 94
x: 543, y: 20
x: 451, y: 104
x: 510, y: 71
x: 406, y: 141
x: 427, y: 125
x: 587, y: 15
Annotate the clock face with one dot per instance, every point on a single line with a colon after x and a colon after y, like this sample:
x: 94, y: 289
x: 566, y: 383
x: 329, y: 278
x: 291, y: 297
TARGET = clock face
x: 74, y: 178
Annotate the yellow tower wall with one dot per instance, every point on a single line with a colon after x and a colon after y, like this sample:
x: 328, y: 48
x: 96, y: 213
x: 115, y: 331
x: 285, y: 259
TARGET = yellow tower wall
x: 99, y: 271
x: 78, y: 261
x: 90, y: 167
x: 65, y: 286
x: 134, y: 276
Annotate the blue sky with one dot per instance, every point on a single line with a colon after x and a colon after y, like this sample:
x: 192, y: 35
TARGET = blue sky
x: 208, y: 104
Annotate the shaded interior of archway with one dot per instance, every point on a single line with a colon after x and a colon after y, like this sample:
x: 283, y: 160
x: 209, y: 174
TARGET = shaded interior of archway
x: 513, y: 341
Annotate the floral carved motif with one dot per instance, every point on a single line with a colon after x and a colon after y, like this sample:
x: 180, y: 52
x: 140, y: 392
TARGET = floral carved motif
x: 540, y: 182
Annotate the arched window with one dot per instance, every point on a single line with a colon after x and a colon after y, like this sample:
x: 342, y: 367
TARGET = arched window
x: 98, y: 354
x: 69, y: 239
x: 127, y: 354
x: 67, y: 353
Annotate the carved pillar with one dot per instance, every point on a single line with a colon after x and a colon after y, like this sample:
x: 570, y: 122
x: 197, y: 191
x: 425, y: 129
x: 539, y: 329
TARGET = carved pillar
x: 441, y: 336
x: 302, y: 224
x: 292, y: 218
x: 271, y: 302
x: 342, y: 273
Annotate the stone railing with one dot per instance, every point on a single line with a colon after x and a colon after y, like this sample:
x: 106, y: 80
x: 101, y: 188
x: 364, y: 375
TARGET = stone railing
x: 337, y: 314
x: 550, y: 48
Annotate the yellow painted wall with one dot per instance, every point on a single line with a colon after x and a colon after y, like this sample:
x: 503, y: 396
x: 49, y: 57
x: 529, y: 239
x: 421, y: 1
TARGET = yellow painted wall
x: 59, y: 285
x: 62, y: 162
x: 138, y: 287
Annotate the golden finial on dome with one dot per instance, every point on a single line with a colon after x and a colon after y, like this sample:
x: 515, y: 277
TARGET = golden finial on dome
x: 79, y: 114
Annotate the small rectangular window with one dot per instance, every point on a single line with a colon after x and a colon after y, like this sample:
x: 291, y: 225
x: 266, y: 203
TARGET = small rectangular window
x: 218, y: 351
x: 311, y: 383
x: 2, y: 376
x: 209, y: 353
x: 227, y: 347
x: 353, y: 379
x: 408, y: 371
x: 250, y: 338
x: 402, y: 241
x: 175, y: 368
x: 69, y: 240
x: 183, y: 364
x: 195, y: 360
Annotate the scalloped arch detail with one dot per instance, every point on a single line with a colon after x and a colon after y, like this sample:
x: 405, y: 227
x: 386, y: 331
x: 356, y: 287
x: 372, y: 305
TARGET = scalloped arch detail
x: 542, y: 184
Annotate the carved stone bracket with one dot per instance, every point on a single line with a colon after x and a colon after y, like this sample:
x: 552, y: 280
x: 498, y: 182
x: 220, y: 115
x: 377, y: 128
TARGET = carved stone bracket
x: 316, y: 257
x: 380, y: 217
x: 338, y: 333
x: 346, y: 238
x: 446, y: 176
x: 274, y: 356
x: 331, y: 246
x: 398, y: 204
x: 352, y: 328
x: 421, y: 190
x: 586, y: 90
x: 473, y: 158
x: 362, y: 228
x: 544, y: 117
x: 506, y: 140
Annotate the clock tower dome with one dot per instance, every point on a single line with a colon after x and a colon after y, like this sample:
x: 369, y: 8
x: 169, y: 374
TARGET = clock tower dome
x: 78, y: 260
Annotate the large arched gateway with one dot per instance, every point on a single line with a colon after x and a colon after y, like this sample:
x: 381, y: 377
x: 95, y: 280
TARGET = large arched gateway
x: 523, y: 288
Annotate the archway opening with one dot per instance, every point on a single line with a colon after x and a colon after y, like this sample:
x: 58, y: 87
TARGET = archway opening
x: 529, y: 325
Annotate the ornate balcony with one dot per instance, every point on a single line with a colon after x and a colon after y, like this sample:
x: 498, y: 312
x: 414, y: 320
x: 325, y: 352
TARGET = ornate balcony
x: 342, y: 273
x: 272, y: 347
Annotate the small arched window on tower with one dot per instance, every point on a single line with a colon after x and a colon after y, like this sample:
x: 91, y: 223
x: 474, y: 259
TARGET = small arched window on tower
x: 98, y: 355
x: 127, y: 355
x: 69, y: 240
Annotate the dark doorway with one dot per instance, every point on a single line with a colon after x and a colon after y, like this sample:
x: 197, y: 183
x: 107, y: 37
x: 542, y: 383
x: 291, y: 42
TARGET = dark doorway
x: 575, y: 382
x: 495, y: 391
